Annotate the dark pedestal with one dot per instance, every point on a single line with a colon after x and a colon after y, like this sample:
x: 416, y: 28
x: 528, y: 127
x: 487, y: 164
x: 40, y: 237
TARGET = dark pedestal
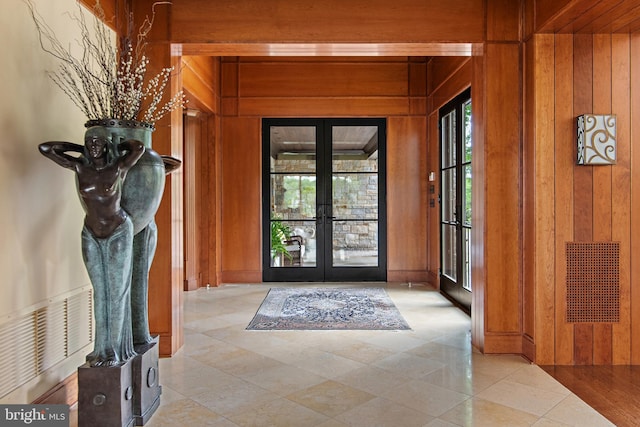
x: 146, y: 379
x: 105, y: 396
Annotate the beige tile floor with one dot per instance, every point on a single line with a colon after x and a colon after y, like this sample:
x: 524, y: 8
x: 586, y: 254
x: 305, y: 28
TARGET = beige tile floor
x: 429, y: 376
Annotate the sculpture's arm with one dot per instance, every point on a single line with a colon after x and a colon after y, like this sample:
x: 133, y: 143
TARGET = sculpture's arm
x: 132, y: 150
x: 170, y: 164
x: 57, y: 151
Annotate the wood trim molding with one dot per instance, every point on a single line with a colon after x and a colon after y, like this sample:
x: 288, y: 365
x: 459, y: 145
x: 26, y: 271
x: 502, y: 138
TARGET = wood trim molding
x: 245, y: 276
x: 502, y: 343
x: 529, y: 348
x: 327, y: 49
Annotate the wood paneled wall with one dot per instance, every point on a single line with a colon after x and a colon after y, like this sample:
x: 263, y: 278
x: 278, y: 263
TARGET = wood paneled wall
x: 573, y: 75
x: 199, y: 197
x: 192, y: 190
x: 407, y: 234
x: 392, y: 87
x: 284, y: 21
x: 201, y: 80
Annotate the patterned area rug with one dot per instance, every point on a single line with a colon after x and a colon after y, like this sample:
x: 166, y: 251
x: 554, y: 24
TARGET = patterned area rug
x: 327, y: 308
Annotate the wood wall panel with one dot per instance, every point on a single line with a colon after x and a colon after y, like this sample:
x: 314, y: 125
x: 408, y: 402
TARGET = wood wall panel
x: 201, y: 82
x: 502, y: 163
x: 582, y: 103
x: 214, y: 200
x: 544, y: 172
x: 602, y: 333
x: 545, y: 10
x: 241, y: 180
x: 634, y: 70
x: 229, y: 78
x: 454, y: 84
x: 283, y: 21
x: 204, y: 229
x: 621, y: 192
x: 441, y: 69
x: 417, y: 77
x: 503, y: 20
x: 324, y: 106
x: 544, y: 210
x: 565, y: 154
x: 339, y: 79
x: 406, y: 194
x: 192, y: 174
x: 528, y: 200
x: 201, y: 79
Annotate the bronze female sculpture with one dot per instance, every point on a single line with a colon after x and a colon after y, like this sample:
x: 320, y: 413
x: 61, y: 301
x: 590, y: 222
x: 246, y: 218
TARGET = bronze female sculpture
x: 107, y: 236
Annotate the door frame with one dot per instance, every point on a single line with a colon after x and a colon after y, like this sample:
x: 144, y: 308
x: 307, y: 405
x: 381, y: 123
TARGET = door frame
x: 323, y: 271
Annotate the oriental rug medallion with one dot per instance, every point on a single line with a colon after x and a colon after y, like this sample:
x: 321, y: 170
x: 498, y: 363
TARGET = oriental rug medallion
x: 327, y: 309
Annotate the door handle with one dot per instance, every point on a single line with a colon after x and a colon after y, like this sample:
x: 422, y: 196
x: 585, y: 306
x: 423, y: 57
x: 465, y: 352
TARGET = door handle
x: 328, y: 217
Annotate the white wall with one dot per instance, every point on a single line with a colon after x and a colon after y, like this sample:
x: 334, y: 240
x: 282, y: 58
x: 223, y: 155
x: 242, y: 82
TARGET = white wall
x: 40, y: 214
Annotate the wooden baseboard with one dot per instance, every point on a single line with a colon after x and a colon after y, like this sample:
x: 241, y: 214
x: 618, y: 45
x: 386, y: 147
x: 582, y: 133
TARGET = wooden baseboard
x: 434, y: 280
x: 502, y: 343
x: 529, y: 348
x: 407, y: 276
x: 63, y: 393
x: 248, y: 276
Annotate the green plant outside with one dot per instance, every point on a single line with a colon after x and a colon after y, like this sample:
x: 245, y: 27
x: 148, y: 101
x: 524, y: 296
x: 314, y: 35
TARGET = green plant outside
x: 279, y: 234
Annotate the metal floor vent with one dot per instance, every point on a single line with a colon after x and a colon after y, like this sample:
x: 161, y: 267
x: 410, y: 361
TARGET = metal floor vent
x: 33, y: 342
x: 593, y: 282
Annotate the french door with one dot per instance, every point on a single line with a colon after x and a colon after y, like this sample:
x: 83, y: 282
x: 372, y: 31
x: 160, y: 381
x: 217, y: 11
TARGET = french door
x: 323, y: 200
x: 455, y: 208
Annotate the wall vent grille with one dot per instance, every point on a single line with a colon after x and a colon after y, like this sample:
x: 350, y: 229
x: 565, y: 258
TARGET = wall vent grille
x: 35, y: 341
x: 79, y: 311
x: 18, y: 353
x: 593, y: 282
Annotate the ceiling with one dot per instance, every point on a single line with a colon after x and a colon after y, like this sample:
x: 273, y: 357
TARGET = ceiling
x: 588, y: 16
x: 354, y: 140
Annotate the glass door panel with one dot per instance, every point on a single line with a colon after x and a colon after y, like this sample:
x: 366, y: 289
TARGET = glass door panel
x: 292, y: 194
x: 466, y: 203
x: 355, y: 196
x: 455, y: 199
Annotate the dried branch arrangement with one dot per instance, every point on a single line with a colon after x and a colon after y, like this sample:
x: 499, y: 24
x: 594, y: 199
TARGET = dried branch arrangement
x: 108, y: 80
